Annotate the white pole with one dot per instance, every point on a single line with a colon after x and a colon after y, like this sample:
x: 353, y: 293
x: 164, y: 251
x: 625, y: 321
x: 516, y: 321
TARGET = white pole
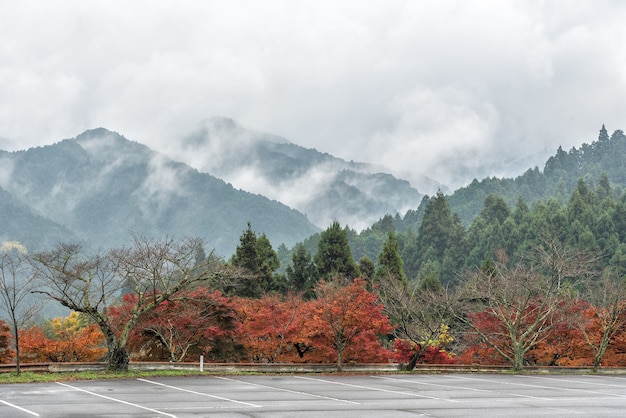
x: 201, y: 364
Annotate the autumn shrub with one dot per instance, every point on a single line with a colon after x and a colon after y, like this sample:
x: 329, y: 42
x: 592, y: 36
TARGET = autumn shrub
x: 347, y: 322
x: 343, y: 324
x: 7, y: 354
x: 271, y: 328
x: 196, y: 322
x: 62, y: 340
x: 404, y: 350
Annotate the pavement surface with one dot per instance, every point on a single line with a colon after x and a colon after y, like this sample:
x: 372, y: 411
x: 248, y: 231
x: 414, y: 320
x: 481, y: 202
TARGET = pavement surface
x: 398, y: 396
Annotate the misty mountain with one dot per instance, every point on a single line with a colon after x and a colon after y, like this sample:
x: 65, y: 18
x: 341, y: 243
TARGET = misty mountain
x: 320, y: 185
x: 604, y: 156
x: 100, y: 186
x: 599, y: 163
x: 19, y: 223
x: 593, y: 161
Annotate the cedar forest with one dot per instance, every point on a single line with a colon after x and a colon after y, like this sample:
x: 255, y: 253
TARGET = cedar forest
x: 536, y: 282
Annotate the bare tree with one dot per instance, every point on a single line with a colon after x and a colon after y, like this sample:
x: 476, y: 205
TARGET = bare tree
x: 417, y: 312
x: 517, y: 305
x: 152, y: 270
x: 607, y: 297
x: 17, y: 280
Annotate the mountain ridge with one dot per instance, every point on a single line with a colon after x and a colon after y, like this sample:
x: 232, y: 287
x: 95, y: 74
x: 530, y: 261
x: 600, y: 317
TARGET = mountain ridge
x: 323, y: 186
x: 101, y: 186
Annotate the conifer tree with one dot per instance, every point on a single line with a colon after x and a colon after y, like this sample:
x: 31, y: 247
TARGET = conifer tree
x: 389, y: 260
x: 257, y: 256
x: 334, y: 257
x: 301, y: 274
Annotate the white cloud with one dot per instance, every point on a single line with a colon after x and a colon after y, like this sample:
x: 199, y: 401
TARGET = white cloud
x: 365, y: 80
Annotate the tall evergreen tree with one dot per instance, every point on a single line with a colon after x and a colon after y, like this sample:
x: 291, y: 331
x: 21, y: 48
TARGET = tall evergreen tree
x: 301, y: 274
x: 603, y: 136
x: 334, y: 257
x: 389, y: 260
x: 434, y: 229
x: 246, y: 254
x: 440, y: 238
x: 367, y: 269
x: 259, y: 259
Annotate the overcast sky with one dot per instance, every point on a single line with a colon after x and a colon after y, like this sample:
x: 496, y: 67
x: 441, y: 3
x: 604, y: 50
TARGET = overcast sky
x: 452, y: 89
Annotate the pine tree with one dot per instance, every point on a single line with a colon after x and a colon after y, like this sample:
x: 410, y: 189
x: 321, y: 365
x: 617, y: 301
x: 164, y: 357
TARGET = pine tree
x: 389, y: 260
x: 246, y: 254
x: 334, y: 257
x: 259, y: 259
x: 604, y: 135
x: 301, y: 274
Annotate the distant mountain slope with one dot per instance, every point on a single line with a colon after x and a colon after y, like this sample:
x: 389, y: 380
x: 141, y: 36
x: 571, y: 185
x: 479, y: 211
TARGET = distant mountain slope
x: 19, y: 223
x: 323, y: 187
x: 606, y: 155
x: 102, y: 186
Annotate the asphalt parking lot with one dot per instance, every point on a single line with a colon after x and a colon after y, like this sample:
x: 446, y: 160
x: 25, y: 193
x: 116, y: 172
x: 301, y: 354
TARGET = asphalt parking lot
x: 453, y: 395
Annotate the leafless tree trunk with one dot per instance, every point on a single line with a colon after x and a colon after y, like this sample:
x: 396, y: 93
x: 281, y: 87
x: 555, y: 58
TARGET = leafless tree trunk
x: 607, y: 297
x: 153, y: 270
x: 417, y: 313
x: 17, y: 280
x: 522, y: 299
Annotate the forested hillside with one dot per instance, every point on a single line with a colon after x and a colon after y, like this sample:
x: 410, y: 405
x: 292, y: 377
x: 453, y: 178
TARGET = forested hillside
x: 521, y: 284
x: 318, y: 184
x: 465, y: 228
x: 558, y: 179
x: 99, y: 186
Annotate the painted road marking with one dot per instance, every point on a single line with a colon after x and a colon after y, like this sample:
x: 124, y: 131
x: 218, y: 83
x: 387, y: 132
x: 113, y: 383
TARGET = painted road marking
x: 376, y: 389
x: 483, y: 390
x: 19, y: 407
x: 432, y: 384
x: 199, y: 393
x: 540, y: 387
x: 573, y: 381
x: 473, y: 390
x: 117, y: 400
x: 289, y: 390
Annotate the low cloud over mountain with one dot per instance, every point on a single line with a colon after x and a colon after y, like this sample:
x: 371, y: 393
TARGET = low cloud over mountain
x: 323, y: 187
x: 99, y: 187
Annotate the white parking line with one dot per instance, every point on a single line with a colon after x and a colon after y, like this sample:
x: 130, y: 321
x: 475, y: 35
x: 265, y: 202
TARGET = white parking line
x: 19, y: 407
x: 569, y: 389
x: 488, y: 391
x: 474, y: 390
x: 542, y: 387
x: 116, y: 400
x: 200, y: 393
x: 376, y: 389
x: 574, y: 381
x: 289, y: 390
x: 432, y: 384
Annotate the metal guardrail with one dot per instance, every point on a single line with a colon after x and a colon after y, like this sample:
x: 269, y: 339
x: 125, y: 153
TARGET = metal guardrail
x: 302, y: 368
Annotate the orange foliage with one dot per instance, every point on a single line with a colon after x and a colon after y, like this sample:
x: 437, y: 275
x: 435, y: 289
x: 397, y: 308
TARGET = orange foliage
x: 196, y: 322
x: 479, y: 351
x: 343, y: 321
x: 596, y: 320
x: 271, y: 328
x: 346, y: 323
x: 564, y: 344
x: 616, y: 353
x: 67, y: 344
x: 575, y: 327
x: 6, y: 352
x: 404, y: 350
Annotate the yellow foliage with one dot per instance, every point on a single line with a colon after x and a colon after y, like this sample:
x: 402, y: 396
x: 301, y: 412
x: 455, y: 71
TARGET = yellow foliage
x: 444, y: 338
x: 62, y: 328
